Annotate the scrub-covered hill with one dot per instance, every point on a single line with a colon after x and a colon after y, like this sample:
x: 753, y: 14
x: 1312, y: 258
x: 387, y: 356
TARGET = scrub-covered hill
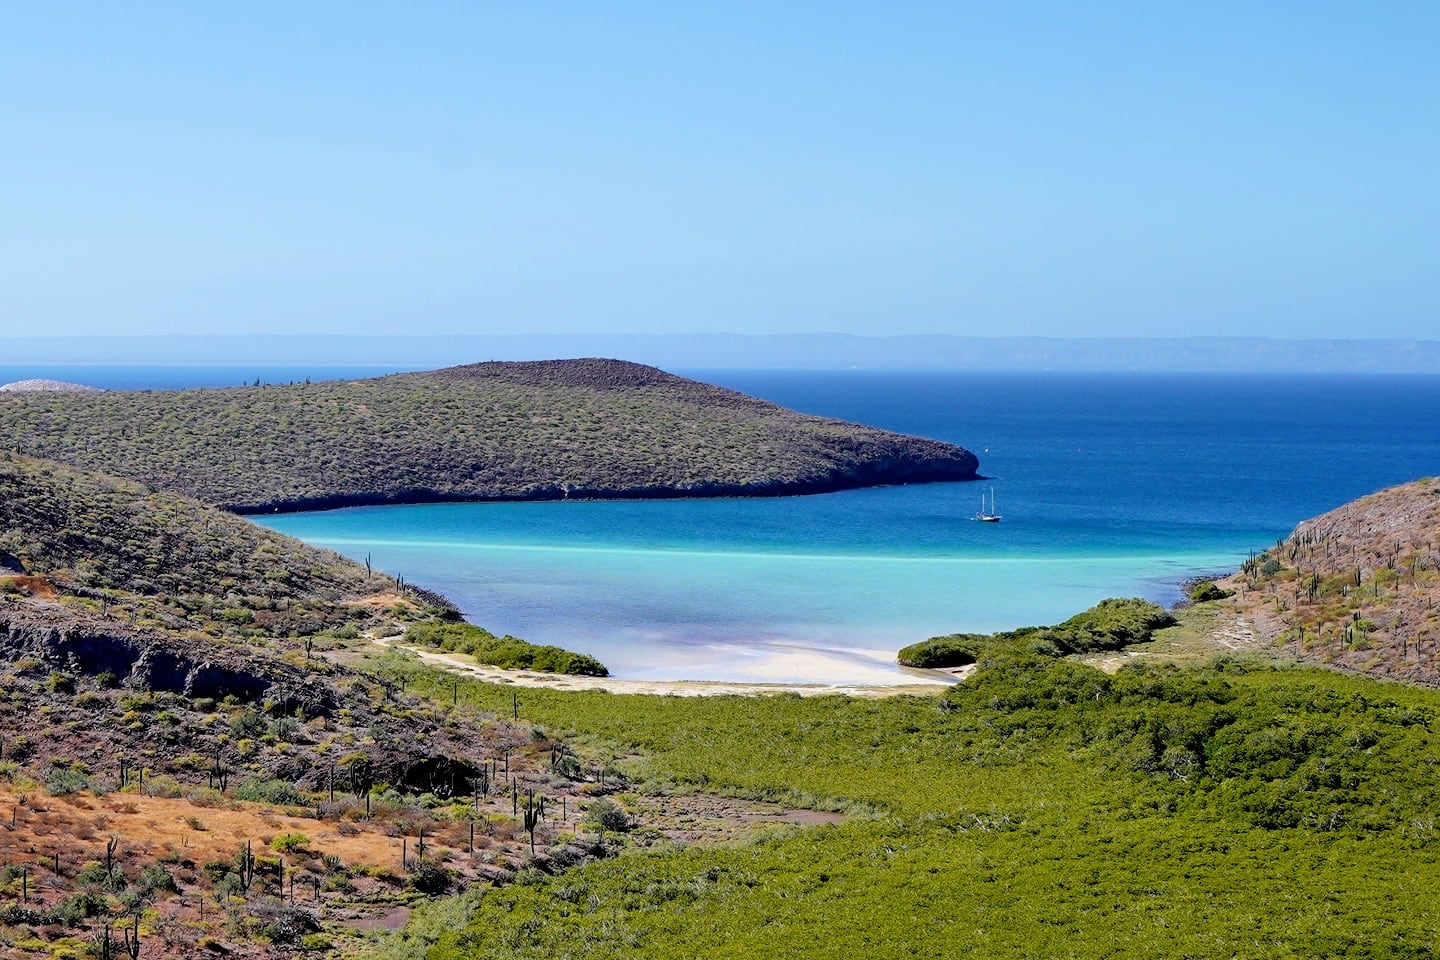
x: 182, y: 747
x: 1357, y: 587
x: 543, y: 430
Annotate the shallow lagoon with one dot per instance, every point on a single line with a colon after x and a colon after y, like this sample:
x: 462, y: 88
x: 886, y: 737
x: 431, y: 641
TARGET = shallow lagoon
x: 1110, y: 485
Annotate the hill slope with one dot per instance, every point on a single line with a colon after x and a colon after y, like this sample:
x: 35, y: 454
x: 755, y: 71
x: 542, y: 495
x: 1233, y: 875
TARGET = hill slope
x: 103, y: 535
x: 155, y: 647
x: 1356, y: 587
x: 545, y: 430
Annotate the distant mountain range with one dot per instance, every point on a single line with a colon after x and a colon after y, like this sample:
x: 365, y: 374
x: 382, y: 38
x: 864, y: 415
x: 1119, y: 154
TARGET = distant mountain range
x: 690, y: 351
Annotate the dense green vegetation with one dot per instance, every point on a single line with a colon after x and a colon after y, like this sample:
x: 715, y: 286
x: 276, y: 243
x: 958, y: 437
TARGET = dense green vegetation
x: 495, y: 430
x: 1041, y: 809
x: 508, y: 652
x: 1109, y: 625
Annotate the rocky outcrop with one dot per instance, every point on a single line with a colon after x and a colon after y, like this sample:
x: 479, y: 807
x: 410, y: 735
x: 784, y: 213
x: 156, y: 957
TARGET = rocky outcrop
x: 404, y: 744
x: 84, y: 647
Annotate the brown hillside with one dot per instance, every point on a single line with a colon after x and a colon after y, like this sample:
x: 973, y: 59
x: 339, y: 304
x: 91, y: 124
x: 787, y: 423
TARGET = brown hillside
x: 1356, y: 587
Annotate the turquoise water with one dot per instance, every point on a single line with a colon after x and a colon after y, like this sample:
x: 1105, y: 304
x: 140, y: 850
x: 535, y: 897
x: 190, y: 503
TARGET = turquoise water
x: 1109, y: 484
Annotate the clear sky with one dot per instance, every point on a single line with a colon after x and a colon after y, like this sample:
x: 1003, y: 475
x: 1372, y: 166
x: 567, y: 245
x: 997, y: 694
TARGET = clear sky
x: 1257, y: 168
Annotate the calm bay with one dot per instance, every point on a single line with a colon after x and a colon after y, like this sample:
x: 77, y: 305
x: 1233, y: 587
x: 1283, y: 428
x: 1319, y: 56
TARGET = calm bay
x: 1109, y: 484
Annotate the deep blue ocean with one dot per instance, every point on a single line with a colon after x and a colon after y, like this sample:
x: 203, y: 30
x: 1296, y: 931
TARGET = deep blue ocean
x: 1109, y: 484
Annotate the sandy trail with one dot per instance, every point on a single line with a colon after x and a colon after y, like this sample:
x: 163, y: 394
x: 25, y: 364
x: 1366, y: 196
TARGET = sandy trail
x: 1239, y: 635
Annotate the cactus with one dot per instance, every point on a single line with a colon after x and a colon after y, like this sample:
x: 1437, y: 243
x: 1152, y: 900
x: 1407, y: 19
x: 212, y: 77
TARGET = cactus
x: 219, y: 774
x: 482, y: 782
x: 132, y: 938
x: 562, y: 761
x: 534, y: 812
x: 246, y: 871
x: 105, y: 949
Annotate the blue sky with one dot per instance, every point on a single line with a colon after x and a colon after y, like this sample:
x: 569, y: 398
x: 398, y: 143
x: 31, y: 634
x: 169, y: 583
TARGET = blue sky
x: 1011, y: 169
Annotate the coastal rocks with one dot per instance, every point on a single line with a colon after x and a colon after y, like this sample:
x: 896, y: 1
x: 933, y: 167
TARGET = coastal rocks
x: 153, y: 664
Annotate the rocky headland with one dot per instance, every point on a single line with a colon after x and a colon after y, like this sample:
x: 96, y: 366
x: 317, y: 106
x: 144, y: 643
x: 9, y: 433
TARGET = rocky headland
x: 1356, y: 588
x: 488, y: 431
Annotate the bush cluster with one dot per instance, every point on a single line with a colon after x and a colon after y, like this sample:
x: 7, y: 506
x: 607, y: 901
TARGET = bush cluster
x: 1109, y: 625
x: 506, y: 652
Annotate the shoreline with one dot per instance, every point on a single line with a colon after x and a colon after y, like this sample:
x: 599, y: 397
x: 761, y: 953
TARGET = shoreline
x: 926, y: 682
x: 769, y: 490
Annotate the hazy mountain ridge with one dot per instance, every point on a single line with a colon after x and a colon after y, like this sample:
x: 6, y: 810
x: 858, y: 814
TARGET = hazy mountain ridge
x: 695, y: 351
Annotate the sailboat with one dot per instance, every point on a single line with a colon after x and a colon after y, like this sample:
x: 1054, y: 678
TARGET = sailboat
x: 991, y: 515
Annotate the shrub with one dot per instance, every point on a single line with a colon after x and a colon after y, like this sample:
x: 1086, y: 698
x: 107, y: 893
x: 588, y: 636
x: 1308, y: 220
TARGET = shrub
x: 506, y: 652
x: 156, y: 879
x: 262, y: 790
x: 956, y: 650
x: 281, y: 923
x: 1109, y: 625
x: 95, y: 874
x: 289, y: 842
x: 1112, y: 624
x: 1208, y: 590
x: 18, y: 749
x: 607, y: 815
x: 285, y: 728
x: 429, y: 877
x: 62, y: 780
x: 248, y: 724
x: 72, y: 910
x: 215, y: 870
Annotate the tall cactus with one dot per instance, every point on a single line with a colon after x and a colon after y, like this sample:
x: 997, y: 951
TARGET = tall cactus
x: 246, y: 871
x: 132, y: 938
x: 534, y: 812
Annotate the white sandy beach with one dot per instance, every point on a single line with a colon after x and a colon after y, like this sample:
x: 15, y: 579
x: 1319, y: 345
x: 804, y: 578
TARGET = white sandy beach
x: 916, y: 682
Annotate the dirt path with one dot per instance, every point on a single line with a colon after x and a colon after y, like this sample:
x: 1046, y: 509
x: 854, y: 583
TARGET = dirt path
x: 1238, y: 635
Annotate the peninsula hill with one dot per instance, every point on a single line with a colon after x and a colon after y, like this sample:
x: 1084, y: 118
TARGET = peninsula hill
x: 487, y: 431
x: 1356, y: 588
